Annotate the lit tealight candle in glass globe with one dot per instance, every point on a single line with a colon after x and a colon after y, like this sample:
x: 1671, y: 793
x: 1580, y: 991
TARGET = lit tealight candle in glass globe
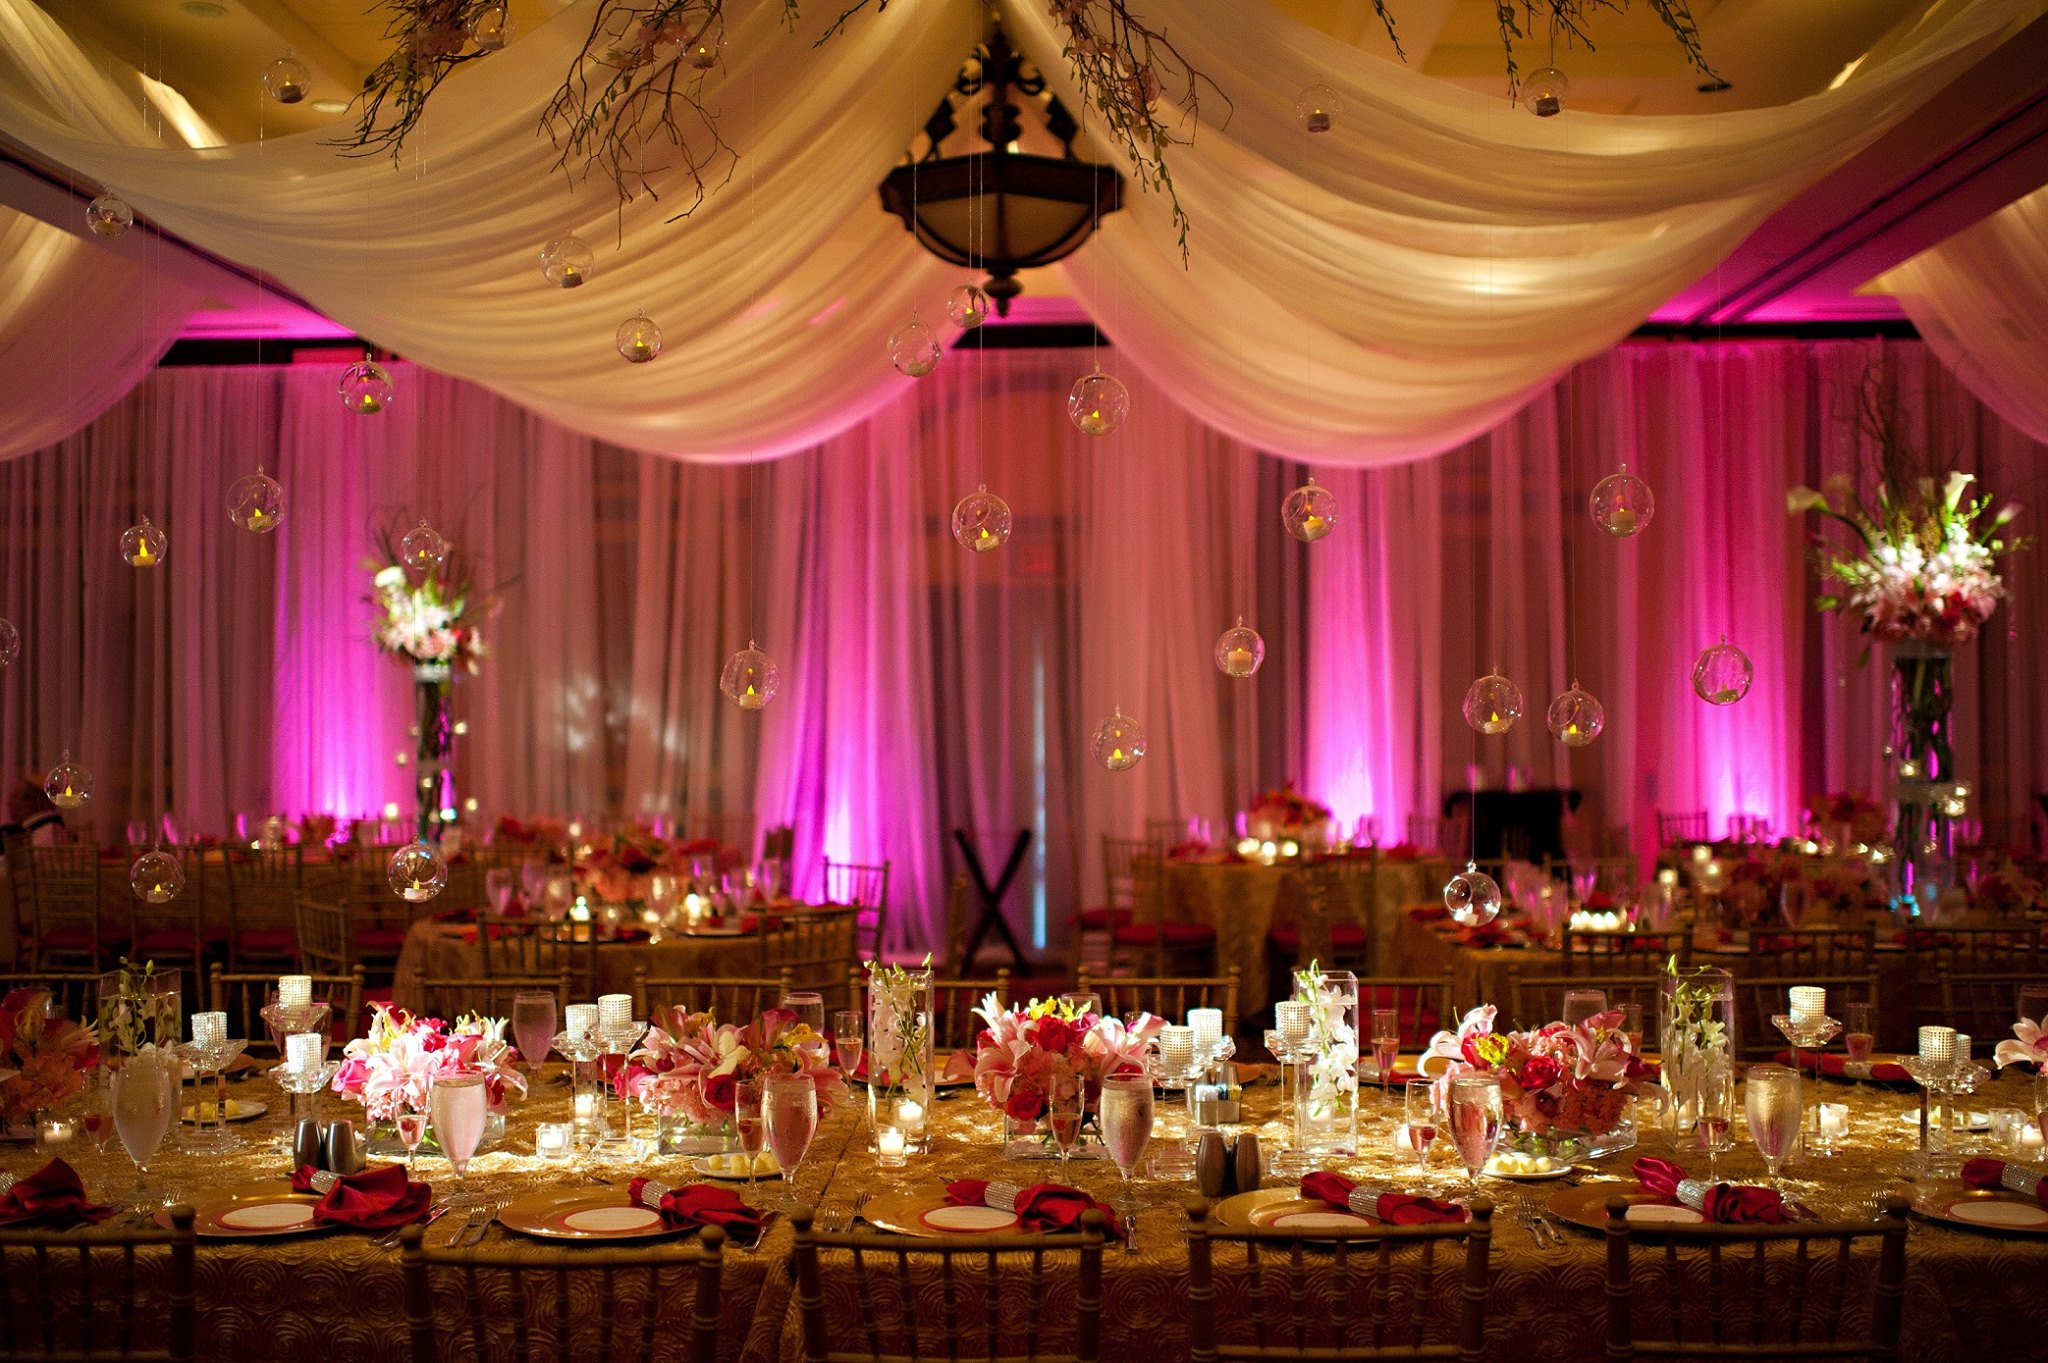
x: 157, y: 877
x: 567, y: 263
x: 703, y: 50
x: 967, y: 306
x: 914, y: 349
x: 1472, y: 896
x: 1493, y: 704
x: 1622, y: 504
x: 1309, y: 512
x: 981, y: 521
x: 422, y: 550
x: 365, y: 387
x: 68, y: 785
x: 1575, y: 717
x: 1318, y: 108
x: 638, y: 340
x: 256, y: 502
x: 109, y: 216
x: 417, y: 872
x: 143, y: 545
x: 1723, y: 674
x: 750, y: 678
x: 1239, y: 650
x: 287, y: 80
x: 1119, y: 742
x: 491, y: 29
x: 1545, y: 90
x: 1098, y: 404
x: 10, y: 642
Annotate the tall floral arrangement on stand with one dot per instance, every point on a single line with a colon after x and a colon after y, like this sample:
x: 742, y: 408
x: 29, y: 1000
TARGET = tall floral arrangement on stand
x: 1562, y: 1087
x: 43, y: 1059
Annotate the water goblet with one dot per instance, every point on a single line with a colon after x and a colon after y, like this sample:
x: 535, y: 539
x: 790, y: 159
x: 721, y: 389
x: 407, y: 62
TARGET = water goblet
x: 749, y: 1125
x: 1126, y: 1113
x: 847, y: 1040
x: 809, y: 1007
x: 412, y: 1129
x: 1063, y: 1115
x: 1386, y: 1045
x: 142, y: 1092
x: 455, y: 1107
x: 1422, y: 1114
x: 1580, y: 1004
x: 533, y: 1026
x: 1774, y: 1107
x: 1080, y: 1003
x: 1476, y: 1119
x: 789, y: 1107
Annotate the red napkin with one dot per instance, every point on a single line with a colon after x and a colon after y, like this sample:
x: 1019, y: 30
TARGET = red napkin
x: 1396, y: 1209
x: 1725, y: 1202
x: 1835, y: 1066
x: 379, y: 1199
x: 1990, y: 1173
x: 704, y: 1204
x: 1041, y: 1207
x: 53, y: 1194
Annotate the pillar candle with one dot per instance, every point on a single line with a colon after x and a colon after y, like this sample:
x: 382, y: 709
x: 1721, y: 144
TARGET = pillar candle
x: 209, y: 1029
x: 294, y: 991
x: 1809, y: 1002
x: 303, y: 1051
x: 582, y: 1019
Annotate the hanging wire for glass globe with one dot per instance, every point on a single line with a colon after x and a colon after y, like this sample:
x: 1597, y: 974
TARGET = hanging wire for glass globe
x: 1723, y: 674
x: 1575, y: 718
x: 1239, y: 650
x: 1309, y: 512
x: 157, y: 877
x: 1119, y: 741
x: 967, y: 306
x: 365, y: 387
x: 1493, y: 704
x: 1098, y: 404
x: 638, y: 340
x: 287, y: 80
x: 109, y: 216
x: 914, y: 349
x: 10, y: 642
x: 491, y: 29
x: 143, y: 544
x: 1472, y: 896
x: 68, y: 785
x: 750, y: 678
x: 567, y: 263
x: 1317, y: 109
x: 1622, y: 504
x: 981, y: 521
x: 417, y: 872
x: 1544, y: 91
x: 256, y: 502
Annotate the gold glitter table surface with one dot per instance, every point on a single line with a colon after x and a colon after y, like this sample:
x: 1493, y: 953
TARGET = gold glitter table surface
x: 1969, y: 1295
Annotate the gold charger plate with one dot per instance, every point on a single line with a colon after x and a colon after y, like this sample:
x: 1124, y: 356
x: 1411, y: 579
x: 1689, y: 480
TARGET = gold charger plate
x: 587, y: 1214
x: 913, y: 1214
x: 255, y: 1213
x: 1586, y: 1205
x: 1998, y: 1210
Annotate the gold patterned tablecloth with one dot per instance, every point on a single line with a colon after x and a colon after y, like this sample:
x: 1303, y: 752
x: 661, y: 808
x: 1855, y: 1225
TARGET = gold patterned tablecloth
x: 450, y: 951
x: 1970, y: 1297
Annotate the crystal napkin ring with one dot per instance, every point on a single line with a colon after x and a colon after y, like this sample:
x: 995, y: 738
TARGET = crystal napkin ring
x: 651, y: 1194
x: 2021, y: 1178
x: 1002, y: 1196
x: 1692, y: 1193
x: 1365, y: 1200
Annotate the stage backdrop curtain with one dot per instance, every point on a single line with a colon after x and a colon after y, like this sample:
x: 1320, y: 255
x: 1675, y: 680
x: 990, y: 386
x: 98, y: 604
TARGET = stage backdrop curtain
x: 925, y: 688
x: 1379, y: 293
x: 1980, y: 300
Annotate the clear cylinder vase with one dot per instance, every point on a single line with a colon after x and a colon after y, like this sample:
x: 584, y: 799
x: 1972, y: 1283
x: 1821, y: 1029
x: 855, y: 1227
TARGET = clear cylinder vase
x: 901, y: 1065
x: 1696, y: 1034
x: 138, y: 1009
x: 435, y: 724
x: 1923, y: 758
x: 1327, y: 1084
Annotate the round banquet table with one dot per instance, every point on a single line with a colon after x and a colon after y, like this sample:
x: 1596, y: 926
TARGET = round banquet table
x: 1970, y: 1296
x: 450, y: 951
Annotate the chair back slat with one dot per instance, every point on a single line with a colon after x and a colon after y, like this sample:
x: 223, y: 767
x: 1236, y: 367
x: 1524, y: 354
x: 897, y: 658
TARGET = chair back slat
x: 1986, y: 1004
x: 1536, y: 999
x: 75, y: 991
x: 326, y: 936
x: 447, y: 997
x: 1166, y: 996
x: 1422, y: 1004
x: 1624, y: 953
x: 817, y: 946
x: 53, y: 1308
x: 64, y: 907
x: 1760, y: 998
x: 243, y: 998
x: 738, y: 1000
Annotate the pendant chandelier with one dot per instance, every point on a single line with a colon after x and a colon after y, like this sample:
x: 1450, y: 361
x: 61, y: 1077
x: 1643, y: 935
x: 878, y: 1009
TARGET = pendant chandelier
x: 1001, y: 210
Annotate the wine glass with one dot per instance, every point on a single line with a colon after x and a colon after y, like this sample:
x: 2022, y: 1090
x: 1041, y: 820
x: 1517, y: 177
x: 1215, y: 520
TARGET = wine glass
x: 1422, y: 1116
x: 1632, y: 1026
x: 533, y: 1026
x: 2032, y: 1003
x: 455, y: 1106
x: 412, y: 1129
x: 141, y: 1091
x: 1126, y: 1113
x: 1063, y: 1114
x: 1475, y: 1116
x: 1716, y: 1127
x: 789, y: 1107
x: 1773, y: 1105
x: 1860, y: 1033
x: 846, y: 1040
x: 1386, y: 1044
x: 749, y: 1125
x: 1580, y: 1004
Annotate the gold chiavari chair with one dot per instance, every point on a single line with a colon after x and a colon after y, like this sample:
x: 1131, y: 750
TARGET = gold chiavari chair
x: 600, y: 1304
x: 1166, y: 832
x: 1759, y: 998
x: 817, y: 947
x: 64, y: 905
x: 75, y: 991
x: 76, y: 1296
x: 728, y: 1000
x: 1624, y: 952
x: 534, y: 946
x: 1304, y: 1295
x: 447, y: 998
x: 1535, y: 999
x: 1754, y: 1303
x: 325, y: 935
x: 263, y: 890
x: 1153, y: 944
x: 866, y: 888
x: 1093, y: 926
x: 1689, y: 826
x: 1985, y: 1005
x: 243, y: 998
x: 944, y: 1298
x: 1816, y: 951
x: 1423, y: 1003
x: 1936, y: 953
x: 1166, y: 996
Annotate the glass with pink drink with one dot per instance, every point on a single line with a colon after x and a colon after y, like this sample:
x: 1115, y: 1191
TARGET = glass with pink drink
x: 1860, y: 1035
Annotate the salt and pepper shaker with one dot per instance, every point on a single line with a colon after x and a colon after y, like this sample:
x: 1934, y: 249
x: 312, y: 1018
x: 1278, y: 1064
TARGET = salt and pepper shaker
x: 1212, y: 1165
x: 306, y: 1146
x: 342, y: 1154
x: 1247, y: 1163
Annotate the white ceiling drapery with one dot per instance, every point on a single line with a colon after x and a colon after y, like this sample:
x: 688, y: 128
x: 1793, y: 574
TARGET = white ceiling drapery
x: 1376, y: 294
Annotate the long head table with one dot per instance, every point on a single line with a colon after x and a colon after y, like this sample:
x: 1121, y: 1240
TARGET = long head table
x: 1970, y: 1297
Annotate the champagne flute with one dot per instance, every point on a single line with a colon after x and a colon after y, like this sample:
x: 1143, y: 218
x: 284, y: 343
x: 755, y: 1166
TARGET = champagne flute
x: 1475, y: 1116
x: 99, y: 1111
x: 1126, y: 1114
x: 1421, y: 1119
x: 789, y: 1107
x: 1386, y: 1045
x: 455, y: 1107
x: 1774, y: 1107
x: 1580, y: 1004
x: 1063, y: 1114
x: 846, y: 1040
x: 412, y: 1129
x: 533, y: 1026
x: 1860, y: 1035
x: 749, y: 1125
x: 1716, y: 1128
x: 1632, y: 1026
x: 142, y: 1090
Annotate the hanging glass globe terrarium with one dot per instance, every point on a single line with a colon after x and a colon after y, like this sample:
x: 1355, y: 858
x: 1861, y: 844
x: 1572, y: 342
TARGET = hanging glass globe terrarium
x: 157, y: 877
x: 967, y: 306
x: 1723, y: 674
x: 1493, y: 704
x: 703, y: 51
x: 1309, y: 512
x: 491, y: 29
x: 1472, y: 896
x: 1119, y: 742
x: 143, y: 545
x: 567, y: 263
x: 417, y: 872
x: 1098, y: 404
x: 10, y: 642
x: 1239, y: 650
x: 914, y: 349
x: 1317, y: 109
x: 68, y: 785
x: 287, y: 80
x: 256, y: 502
x: 365, y: 387
x: 638, y: 340
x: 109, y: 216
x: 422, y: 550
x: 1545, y: 90
x: 1622, y: 504
x: 750, y: 678
x: 981, y: 520
x: 1575, y: 718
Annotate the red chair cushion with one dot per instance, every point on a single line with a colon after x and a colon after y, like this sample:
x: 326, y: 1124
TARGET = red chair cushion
x: 273, y: 941
x: 380, y: 940
x: 1343, y: 937
x: 1174, y: 934
x: 67, y: 939
x: 1102, y: 920
x: 159, y: 941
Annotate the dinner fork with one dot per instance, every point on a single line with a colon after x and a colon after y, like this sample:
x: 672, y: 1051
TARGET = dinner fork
x: 390, y: 1238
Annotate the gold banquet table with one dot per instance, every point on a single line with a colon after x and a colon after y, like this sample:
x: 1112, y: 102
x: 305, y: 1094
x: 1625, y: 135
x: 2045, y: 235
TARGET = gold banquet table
x: 1970, y: 1297
x: 450, y: 951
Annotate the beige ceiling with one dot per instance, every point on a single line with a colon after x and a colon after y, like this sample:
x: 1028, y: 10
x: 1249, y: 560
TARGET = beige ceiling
x: 1771, y: 51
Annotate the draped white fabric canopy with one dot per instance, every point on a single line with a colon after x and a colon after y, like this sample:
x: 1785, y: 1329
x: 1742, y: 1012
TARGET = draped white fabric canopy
x: 1376, y: 294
